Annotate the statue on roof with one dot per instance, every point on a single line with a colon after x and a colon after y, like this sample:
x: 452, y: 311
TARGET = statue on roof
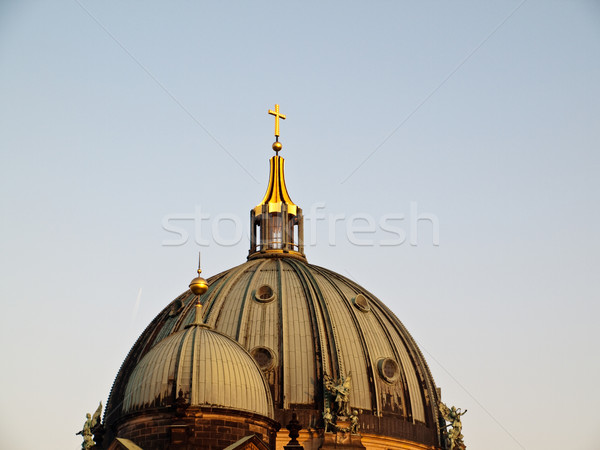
x: 327, y: 419
x: 454, y: 426
x: 91, y: 424
x: 339, y: 390
x: 354, y: 424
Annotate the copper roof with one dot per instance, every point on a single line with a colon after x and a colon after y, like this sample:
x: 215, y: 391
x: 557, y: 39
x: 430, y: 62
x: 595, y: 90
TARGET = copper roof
x: 209, y: 368
x: 305, y: 322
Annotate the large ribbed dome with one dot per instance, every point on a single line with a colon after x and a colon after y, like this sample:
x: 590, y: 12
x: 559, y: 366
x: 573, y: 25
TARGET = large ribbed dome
x: 329, y: 351
x: 208, y: 368
x: 303, y: 323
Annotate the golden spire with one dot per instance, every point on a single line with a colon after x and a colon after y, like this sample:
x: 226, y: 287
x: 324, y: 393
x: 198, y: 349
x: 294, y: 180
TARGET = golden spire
x: 277, y: 145
x: 276, y: 223
x: 277, y: 193
x: 199, y: 285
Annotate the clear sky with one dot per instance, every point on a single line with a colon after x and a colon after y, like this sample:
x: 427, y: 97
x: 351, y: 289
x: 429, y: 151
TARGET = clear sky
x: 117, y: 118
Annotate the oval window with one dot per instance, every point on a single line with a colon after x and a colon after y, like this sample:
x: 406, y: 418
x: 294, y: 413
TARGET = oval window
x: 388, y: 369
x: 264, y: 294
x: 264, y: 357
x: 361, y: 302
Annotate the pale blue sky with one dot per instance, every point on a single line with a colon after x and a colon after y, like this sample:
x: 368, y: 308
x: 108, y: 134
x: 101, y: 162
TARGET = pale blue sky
x: 115, y: 115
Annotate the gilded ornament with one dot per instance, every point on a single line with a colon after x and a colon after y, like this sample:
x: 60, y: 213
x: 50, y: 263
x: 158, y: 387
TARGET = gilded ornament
x: 277, y: 117
x: 199, y: 285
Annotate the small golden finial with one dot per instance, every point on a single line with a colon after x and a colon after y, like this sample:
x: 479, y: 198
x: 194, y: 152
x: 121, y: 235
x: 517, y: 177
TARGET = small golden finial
x: 198, y: 313
x: 199, y: 285
x: 277, y: 145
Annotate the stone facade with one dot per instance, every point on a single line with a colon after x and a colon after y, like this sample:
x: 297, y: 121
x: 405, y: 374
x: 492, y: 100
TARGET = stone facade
x: 206, y: 428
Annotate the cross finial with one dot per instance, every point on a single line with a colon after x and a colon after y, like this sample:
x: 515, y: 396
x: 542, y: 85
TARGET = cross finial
x: 277, y: 117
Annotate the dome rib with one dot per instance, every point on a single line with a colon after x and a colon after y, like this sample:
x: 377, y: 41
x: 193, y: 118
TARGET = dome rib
x: 222, y: 296
x: 322, y: 348
x: 330, y: 338
x: 215, y: 287
x: 370, y: 372
x: 177, y: 370
x: 243, y: 310
x: 280, y: 336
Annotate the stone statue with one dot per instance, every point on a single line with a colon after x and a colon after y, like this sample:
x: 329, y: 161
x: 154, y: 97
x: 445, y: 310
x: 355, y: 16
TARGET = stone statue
x: 89, y: 426
x: 454, y: 433
x: 327, y: 418
x: 340, y: 390
x: 354, y: 425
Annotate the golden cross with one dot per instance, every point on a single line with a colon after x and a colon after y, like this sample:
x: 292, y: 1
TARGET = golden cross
x: 277, y: 117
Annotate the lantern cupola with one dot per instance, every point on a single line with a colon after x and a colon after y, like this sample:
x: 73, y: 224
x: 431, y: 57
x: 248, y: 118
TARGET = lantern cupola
x: 276, y: 223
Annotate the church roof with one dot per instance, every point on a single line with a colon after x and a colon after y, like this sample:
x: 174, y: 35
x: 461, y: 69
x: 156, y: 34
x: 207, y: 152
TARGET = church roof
x: 306, y: 327
x: 301, y: 323
x: 208, y: 368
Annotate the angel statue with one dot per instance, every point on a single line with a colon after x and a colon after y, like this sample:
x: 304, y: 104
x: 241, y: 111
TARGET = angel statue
x: 327, y: 418
x: 340, y: 389
x: 88, y: 428
x: 354, y: 422
x: 452, y: 415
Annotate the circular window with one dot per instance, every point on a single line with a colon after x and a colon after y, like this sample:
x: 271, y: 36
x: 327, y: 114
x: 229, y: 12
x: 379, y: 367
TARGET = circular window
x: 264, y: 294
x: 264, y: 357
x: 361, y: 302
x: 388, y: 369
x: 176, y: 308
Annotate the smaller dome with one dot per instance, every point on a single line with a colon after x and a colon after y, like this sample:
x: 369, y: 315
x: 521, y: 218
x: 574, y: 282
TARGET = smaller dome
x: 210, y: 368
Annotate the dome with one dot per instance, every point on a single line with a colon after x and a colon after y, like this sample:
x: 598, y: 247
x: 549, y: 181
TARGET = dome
x: 302, y: 323
x: 326, y: 352
x: 208, y: 368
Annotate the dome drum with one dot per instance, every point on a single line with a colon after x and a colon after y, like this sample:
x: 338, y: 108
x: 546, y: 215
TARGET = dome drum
x: 197, y: 427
